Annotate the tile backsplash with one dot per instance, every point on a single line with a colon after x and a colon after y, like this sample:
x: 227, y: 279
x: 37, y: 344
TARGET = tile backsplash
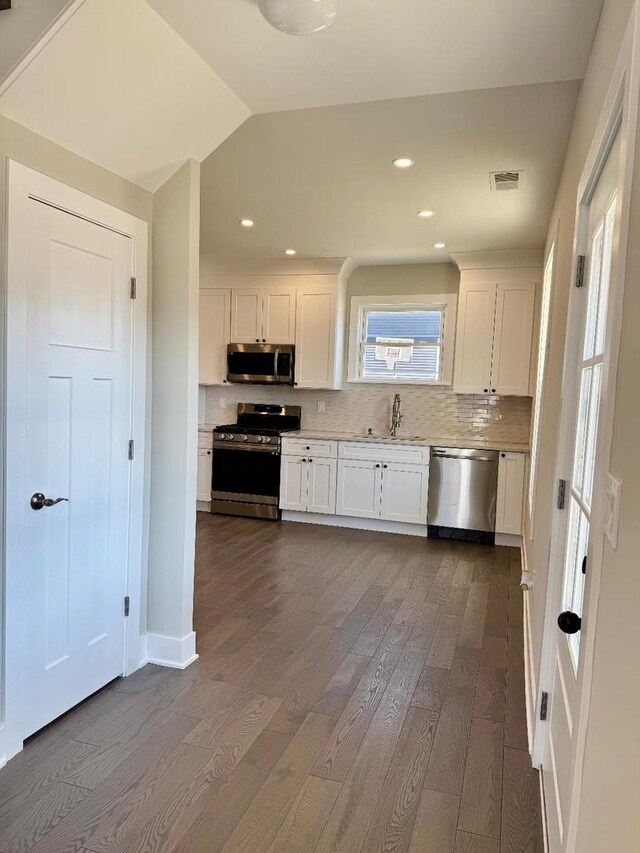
x: 429, y: 411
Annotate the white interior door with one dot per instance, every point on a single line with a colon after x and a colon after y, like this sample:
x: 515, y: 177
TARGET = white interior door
x: 79, y: 364
x: 582, y: 387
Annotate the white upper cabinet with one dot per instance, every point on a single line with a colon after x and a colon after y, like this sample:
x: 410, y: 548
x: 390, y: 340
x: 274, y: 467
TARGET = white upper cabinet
x: 215, y: 308
x: 263, y: 315
x: 246, y: 316
x: 317, y: 364
x: 279, y: 315
x: 494, y: 337
x: 512, y: 339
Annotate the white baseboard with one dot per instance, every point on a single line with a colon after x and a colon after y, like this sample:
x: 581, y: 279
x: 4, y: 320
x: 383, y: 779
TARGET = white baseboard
x: 530, y: 685
x: 171, y: 651
x: 203, y: 506
x: 3, y: 746
x: 374, y: 524
x: 509, y: 540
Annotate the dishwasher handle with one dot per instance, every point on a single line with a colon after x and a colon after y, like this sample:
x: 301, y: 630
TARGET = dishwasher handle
x: 436, y: 455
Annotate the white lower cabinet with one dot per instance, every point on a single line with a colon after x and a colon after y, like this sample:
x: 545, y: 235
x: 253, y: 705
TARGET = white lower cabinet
x: 510, y: 493
x: 359, y: 488
x: 204, y: 475
x: 308, y: 484
x: 404, y: 492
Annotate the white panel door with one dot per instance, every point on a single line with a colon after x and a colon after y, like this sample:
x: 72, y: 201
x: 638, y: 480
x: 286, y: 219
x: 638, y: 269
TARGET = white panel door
x: 78, y: 426
x: 204, y: 475
x: 293, y: 483
x: 573, y: 542
x: 279, y: 315
x: 474, y: 339
x: 512, y: 339
x: 246, y: 315
x: 404, y: 492
x: 315, y: 339
x: 510, y: 493
x: 215, y: 328
x: 322, y: 485
x: 359, y: 488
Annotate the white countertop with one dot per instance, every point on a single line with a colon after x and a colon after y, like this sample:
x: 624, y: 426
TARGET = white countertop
x: 421, y: 441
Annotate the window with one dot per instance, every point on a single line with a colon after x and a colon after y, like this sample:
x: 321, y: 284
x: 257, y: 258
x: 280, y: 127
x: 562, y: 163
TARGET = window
x: 402, y: 339
x: 543, y: 346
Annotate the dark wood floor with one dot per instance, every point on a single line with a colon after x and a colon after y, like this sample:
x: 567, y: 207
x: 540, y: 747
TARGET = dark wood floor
x: 354, y: 691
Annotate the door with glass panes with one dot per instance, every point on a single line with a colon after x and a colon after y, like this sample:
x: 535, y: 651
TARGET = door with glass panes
x: 582, y: 387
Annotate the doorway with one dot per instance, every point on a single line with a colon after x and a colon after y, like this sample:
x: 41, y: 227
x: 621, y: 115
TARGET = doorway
x: 76, y: 327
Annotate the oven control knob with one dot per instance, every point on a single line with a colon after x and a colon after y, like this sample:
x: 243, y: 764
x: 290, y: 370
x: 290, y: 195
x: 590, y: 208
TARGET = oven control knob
x: 268, y: 440
x: 222, y: 436
x: 260, y: 439
x: 230, y: 437
x: 245, y: 438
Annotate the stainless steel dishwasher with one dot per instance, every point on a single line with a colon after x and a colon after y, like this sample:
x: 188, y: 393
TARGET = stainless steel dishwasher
x: 462, y: 494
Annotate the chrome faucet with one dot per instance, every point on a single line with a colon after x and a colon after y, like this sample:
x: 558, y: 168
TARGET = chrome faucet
x: 396, y: 417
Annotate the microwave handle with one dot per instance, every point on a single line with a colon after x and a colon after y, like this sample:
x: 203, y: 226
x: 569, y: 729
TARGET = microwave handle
x: 276, y: 356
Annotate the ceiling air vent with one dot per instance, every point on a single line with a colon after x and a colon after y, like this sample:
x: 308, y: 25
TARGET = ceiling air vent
x: 502, y: 181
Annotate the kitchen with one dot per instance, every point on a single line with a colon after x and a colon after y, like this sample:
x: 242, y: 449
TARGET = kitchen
x: 361, y: 449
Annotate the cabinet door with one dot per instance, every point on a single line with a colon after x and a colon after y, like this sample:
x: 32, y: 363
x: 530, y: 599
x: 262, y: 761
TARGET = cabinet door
x: 321, y: 489
x: 510, y: 493
x: 246, y: 315
x: 474, y: 339
x: 279, y: 315
x: 512, y: 338
x: 404, y: 492
x: 316, y: 339
x: 204, y: 475
x: 359, y: 488
x: 293, y: 483
x: 215, y: 326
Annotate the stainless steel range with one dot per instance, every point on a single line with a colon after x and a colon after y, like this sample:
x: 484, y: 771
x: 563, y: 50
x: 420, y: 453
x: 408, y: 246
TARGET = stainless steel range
x: 246, y: 460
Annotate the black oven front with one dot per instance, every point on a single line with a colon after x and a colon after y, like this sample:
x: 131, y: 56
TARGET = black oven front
x: 245, y: 480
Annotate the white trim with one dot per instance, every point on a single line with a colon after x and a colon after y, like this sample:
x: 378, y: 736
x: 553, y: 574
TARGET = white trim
x: 42, y: 42
x: 375, y: 524
x: 620, y: 105
x: 3, y: 746
x: 498, y: 259
x: 508, y: 540
x: 24, y: 183
x: 172, y: 651
x: 530, y: 690
x: 447, y: 302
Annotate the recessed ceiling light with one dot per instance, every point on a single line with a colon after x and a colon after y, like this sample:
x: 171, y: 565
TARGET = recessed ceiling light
x: 247, y: 223
x: 289, y: 251
x: 439, y: 245
x: 403, y: 163
x: 425, y: 214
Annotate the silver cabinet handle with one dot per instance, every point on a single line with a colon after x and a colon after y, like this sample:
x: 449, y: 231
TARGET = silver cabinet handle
x: 38, y: 501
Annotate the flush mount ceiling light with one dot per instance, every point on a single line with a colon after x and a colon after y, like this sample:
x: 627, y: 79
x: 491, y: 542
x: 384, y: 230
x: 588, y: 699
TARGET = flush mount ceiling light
x: 289, y: 251
x: 439, y: 245
x: 425, y: 214
x: 403, y: 162
x: 299, y: 17
x: 247, y: 223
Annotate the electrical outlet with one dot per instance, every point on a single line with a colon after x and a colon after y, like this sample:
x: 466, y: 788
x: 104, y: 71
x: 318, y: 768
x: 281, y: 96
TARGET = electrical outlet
x: 322, y: 407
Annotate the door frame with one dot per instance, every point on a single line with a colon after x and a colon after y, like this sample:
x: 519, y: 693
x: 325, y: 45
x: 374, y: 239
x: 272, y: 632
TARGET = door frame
x: 619, y: 114
x: 25, y: 184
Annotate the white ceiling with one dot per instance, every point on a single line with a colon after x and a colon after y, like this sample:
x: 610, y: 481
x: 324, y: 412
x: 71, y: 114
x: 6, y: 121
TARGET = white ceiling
x: 380, y: 49
x: 119, y: 87
x: 22, y: 25
x: 321, y: 180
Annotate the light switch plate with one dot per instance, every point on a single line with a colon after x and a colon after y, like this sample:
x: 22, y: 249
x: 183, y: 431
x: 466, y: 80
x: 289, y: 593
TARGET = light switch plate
x: 322, y: 407
x: 612, y: 496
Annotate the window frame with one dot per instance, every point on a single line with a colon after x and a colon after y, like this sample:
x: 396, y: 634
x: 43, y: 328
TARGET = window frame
x: 360, y: 305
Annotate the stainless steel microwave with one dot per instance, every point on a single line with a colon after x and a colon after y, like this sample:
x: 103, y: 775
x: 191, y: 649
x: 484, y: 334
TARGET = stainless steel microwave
x: 261, y: 364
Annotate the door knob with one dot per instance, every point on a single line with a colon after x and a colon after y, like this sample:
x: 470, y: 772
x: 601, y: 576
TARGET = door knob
x: 38, y: 501
x: 569, y: 622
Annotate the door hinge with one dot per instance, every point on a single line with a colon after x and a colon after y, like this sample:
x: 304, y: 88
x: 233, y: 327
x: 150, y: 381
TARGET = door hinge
x: 562, y: 493
x: 131, y: 449
x: 544, y: 705
x: 580, y: 263
x: 127, y: 604
x: 134, y: 287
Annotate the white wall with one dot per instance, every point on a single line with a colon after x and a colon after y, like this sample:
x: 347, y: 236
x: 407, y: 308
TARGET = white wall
x: 176, y: 208
x: 609, y: 817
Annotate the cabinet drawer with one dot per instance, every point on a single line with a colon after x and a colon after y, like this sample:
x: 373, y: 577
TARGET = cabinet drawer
x: 383, y: 452
x: 309, y: 447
